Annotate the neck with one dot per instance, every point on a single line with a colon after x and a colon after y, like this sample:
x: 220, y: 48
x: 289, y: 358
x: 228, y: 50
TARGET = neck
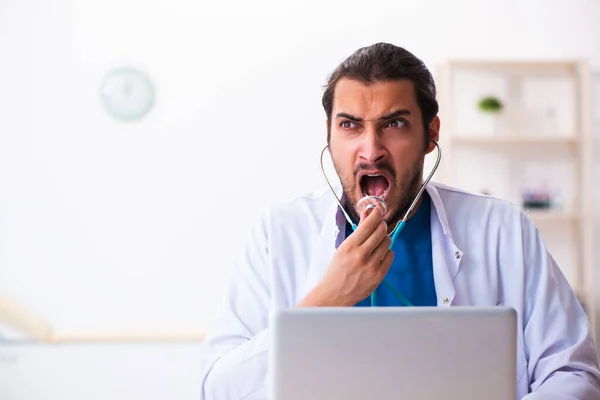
x: 392, y: 224
x: 405, y: 204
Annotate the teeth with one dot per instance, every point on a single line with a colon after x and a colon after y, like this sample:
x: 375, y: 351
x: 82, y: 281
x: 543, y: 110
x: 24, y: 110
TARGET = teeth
x: 385, y: 192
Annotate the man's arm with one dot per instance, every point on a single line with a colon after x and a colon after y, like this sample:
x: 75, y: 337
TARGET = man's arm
x: 234, y: 356
x: 561, y: 354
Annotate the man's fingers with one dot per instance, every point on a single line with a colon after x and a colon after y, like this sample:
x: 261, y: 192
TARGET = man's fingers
x: 367, y: 226
x: 387, y: 261
x: 379, y: 253
x: 378, y: 236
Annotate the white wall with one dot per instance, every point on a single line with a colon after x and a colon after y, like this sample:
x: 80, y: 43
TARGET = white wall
x: 113, y: 226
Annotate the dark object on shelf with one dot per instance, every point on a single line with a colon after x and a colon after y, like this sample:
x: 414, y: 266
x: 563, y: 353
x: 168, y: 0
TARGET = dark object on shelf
x: 537, y: 205
x: 536, y: 199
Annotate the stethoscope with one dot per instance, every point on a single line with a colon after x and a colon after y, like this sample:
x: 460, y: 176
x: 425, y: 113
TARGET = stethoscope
x: 399, y: 226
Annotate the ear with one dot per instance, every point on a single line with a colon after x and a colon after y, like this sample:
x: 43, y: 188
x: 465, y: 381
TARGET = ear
x: 434, y: 133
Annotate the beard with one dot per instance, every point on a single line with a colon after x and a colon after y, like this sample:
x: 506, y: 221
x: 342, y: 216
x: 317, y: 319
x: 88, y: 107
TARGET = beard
x: 401, y: 195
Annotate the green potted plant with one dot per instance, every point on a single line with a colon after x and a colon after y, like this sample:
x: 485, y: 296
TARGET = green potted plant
x: 490, y: 104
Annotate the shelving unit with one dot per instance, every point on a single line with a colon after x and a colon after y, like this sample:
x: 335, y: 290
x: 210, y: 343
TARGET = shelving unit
x: 541, y: 137
x: 516, y: 141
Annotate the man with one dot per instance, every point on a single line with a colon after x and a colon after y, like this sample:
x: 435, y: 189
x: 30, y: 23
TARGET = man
x: 457, y: 248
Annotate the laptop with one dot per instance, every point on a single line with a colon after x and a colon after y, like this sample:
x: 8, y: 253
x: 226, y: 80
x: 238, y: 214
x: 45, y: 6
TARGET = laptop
x: 425, y: 353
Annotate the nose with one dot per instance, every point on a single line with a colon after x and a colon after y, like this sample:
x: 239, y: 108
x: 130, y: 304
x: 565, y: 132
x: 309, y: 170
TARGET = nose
x: 372, y: 149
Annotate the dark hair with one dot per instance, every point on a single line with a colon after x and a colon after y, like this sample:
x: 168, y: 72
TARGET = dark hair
x: 385, y: 62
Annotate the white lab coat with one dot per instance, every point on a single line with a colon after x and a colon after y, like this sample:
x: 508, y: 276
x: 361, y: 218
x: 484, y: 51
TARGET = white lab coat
x: 485, y: 253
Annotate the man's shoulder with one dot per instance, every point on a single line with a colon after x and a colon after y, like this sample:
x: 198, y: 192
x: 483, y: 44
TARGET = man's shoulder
x: 319, y: 198
x: 461, y: 203
x: 303, y: 208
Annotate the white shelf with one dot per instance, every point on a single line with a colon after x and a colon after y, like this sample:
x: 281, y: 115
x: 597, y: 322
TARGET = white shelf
x: 507, y: 63
x: 525, y: 67
x: 551, y: 215
x: 514, y: 140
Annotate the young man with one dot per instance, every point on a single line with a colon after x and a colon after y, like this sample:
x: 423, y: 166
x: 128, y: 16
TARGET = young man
x: 457, y: 248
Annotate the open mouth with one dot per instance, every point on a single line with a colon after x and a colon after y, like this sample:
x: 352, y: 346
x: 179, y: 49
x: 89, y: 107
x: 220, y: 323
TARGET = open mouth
x: 374, y: 185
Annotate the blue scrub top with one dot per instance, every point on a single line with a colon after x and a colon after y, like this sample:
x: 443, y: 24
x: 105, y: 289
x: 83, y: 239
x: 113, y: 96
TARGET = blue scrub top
x: 411, y: 272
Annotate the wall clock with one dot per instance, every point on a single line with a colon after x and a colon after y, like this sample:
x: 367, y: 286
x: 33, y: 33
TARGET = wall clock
x: 127, y: 94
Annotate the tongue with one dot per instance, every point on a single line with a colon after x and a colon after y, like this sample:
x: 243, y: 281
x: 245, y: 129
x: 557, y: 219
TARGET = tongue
x: 375, y: 185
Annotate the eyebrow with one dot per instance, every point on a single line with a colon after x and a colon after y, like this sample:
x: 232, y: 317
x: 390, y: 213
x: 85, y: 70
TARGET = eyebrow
x: 391, y: 115
x: 397, y: 113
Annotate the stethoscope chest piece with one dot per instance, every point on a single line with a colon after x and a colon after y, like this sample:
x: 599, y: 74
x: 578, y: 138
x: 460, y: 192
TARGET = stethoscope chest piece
x: 371, y: 203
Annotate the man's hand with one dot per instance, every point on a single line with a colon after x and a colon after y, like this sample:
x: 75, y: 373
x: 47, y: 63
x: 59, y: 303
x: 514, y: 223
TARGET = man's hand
x: 358, y: 266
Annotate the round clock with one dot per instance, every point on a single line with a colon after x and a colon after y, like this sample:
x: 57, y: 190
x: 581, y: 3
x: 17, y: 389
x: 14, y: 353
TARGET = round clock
x: 127, y: 94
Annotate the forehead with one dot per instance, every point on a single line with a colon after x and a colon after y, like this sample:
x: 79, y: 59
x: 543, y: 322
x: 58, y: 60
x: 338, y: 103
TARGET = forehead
x: 370, y: 101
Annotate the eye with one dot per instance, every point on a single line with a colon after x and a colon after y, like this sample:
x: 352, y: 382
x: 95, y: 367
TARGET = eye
x: 397, y: 123
x: 347, y: 125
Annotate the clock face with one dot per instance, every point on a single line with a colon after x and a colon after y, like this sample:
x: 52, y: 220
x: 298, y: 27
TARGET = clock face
x: 127, y: 94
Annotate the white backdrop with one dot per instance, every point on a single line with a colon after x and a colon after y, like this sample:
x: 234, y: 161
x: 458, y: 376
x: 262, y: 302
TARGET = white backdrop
x: 118, y: 226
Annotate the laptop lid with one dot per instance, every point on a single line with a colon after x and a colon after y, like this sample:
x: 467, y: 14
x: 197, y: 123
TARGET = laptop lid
x: 423, y: 353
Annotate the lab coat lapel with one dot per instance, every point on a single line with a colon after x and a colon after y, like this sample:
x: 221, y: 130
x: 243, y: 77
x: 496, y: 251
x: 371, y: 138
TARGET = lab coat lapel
x: 446, y: 255
x: 325, y: 247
